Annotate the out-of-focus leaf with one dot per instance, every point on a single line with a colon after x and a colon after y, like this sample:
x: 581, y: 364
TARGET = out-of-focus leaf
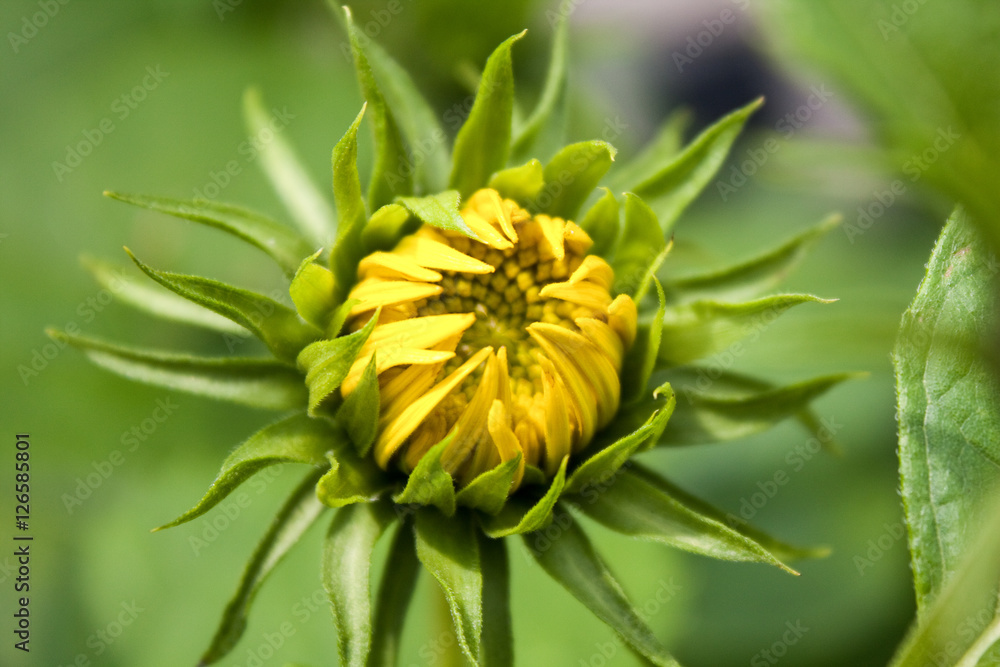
x: 309, y: 208
x: 521, y: 183
x: 601, y: 222
x: 641, y: 244
x: 155, y: 300
x: 517, y: 518
x: 570, y: 559
x: 358, y: 414
x: 641, y: 358
x: 657, y: 156
x: 351, y: 209
x: 395, y: 592
x: 449, y: 549
x: 296, y: 439
x: 275, y: 324
x: 700, y: 329
x: 440, y: 210
x: 299, y: 512
x: 430, y: 483
x: 347, y: 557
x: 313, y: 291
x: 571, y: 176
x: 283, y: 244
x: 949, y: 405
x: 386, y: 227
x: 490, y: 489
x: 555, y: 84
x: 498, y: 637
x: 483, y: 143
x: 259, y: 383
x: 327, y: 362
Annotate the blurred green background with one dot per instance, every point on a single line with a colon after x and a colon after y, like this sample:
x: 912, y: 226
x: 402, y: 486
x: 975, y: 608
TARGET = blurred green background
x: 104, y: 591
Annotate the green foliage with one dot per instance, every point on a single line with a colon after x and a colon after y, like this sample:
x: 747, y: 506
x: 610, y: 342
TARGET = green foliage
x: 439, y: 210
x: 326, y: 363
x: 358, y: 414
x: 394, y: 595
x: 351, y: 209
x: 488, y: 492
x: 518, y: 518
x: 430, y: 483
x: 571, y: 176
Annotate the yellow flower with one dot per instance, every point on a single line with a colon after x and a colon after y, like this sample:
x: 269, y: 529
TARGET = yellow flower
x: 511, y: 345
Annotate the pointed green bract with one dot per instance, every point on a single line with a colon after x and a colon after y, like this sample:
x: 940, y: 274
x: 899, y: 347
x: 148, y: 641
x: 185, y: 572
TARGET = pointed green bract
x: 351, y: 209
x: 601, y: 222
x: 640, y: 361
x: 313, y: 291
x: 386, y: 227
x: 571, y: 176
x: 671, y: 189
x: 570, y: 559
x: 156, y: 301
x: 326, y: 363
x: 296, y: 439
x: 430, y: 483
x: 498, y: 637
x: 555, y: 85
x: 440, y: 210
x: 351, y: 478
x: 358, y: 414
x: 275, y: 324
x: 309, y: 208
x: 284, y: 245
x: 488, y: 492
x: 347, y: 556
x: 702, y: 328
x: 258, y: 383
x: 395, y: 592
x: 392, y: 174
x: 522, y: 183
x: 517, y: 518
x: 642, y: 242
x: 656, y: 156
x: 483, y: 143
x: 449, y: 549
x: 299, y: 512
x: 752, y: 278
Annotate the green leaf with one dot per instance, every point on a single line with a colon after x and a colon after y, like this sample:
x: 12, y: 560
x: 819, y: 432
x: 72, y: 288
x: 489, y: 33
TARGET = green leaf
x: 386, y: 227
x: 571, y: 176
x: 498, y: 637
x: 351, y: 209
x: 358, y: 414
x: 275, y: 324
x: 702, y: 328
x: 449, y: 549
x: 326, y: 363
x: 309, y: 208
x: 440, y: 210
x: 605, y: 464
x: 313, y: 291
x: 284, y: 245
x: 672, y: 188
x: 555, y: 85
x: 351, y: 478
x: 641, y: 246
x: 430, y: 483
x: 602, y: 224
x: 657, y: 156
x: 259, y: 383
x: 518, y: 518
x: 570, y: 559
x: 483, y: 143
x: 155, y: 300
x: 949, y: 404
x: 644, y: 507
x: 641, y: 359
x: 296, y: 439
x: 395, y: 592
x: 488, y: 492
x: 752, y: 278
x: 347, y: 557
x: 392, y: 174
x: 522, y: 183
x: 299, y: 512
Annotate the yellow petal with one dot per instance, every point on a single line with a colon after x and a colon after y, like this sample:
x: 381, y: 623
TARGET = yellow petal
x: 373, y: 292
x: 558, y: 434
x: 433, y: 254
x: 552, y: 232
x: 604, y: 337
x: 403, y: 389
x: 466, y: 456
x: 595, y: 270
x: 394, y: 265
x: 624, y: 318
x: 586, y: 294
x: 489, y: 201
x: 484, y: 230
x: 422, y: 332
x: 507, y: 444
x: 577, y: 240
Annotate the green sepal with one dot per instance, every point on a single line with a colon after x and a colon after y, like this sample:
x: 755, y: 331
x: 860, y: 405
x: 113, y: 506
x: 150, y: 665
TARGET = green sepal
x: 483, y: 143
x: 659, y: 153
x: 359, y: 412
x: 488, y: 492
x: 298, y: 513
x: 156, y: 301
x: 313, y: 291
x: 671, y: 189
x: 339, y: 317
x: 258, y: 383
x: 448, y: 548
x: 646, y: 506
x: 642, y: 243
x: 700, y: 329
x: 602, y: 223
x: 521, y: 183
x: 571, y: 560
x: 295, y: 439
x: 749, y: 279
x: 326, y: 363
x: 603, y: 466
x: 552, y: 91
x: 430, y: 483
x: 392, y: 174
x: 351, y: 210
x: 310, y: 210
x: 518, y: 517
x: 351, y: 478
x: 498, y: 637
x: 399, y: 579
x: 283, y: 245
x: 440, y: 210
x: 347, y: 558
x: 275, y: 324
x: 641, y: 359
x: 571, y: 176
x: 386, y: 227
